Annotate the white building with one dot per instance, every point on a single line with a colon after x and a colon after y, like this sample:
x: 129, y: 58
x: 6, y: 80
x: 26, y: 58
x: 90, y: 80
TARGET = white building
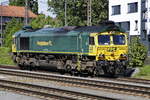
x: 133, y: 16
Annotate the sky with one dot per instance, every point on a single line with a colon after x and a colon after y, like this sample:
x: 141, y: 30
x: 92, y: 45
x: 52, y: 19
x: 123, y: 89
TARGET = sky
x: 43, y: 7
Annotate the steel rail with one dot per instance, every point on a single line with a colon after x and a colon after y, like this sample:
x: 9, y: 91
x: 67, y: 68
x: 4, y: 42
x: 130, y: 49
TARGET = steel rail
x: 48, y: 92
x: 135, y: 80
x: 105, y: 84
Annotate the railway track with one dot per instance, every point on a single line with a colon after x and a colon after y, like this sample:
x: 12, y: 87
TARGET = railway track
x: 109, y: 85
x: 134, y: 80
x: 47, y: 93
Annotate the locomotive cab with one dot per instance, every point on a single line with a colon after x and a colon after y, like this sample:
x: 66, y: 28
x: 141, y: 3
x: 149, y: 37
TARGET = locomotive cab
x: 110, y: 49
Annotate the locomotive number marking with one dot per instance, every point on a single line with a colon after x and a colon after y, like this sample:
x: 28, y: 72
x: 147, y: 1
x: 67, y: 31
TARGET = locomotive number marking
x: 113, y: 49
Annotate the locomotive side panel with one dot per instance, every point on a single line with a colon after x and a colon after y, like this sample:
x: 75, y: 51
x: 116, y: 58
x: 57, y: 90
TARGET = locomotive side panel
x: 54, y: 44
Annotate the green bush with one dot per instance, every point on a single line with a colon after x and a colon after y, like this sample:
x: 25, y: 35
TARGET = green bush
x: 5, y: 56
x: 137, y: 53
x: 42, y: 20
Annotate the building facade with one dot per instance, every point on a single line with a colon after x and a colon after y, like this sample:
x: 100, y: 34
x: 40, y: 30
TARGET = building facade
x: 133, y: 16
x: 7, y: 13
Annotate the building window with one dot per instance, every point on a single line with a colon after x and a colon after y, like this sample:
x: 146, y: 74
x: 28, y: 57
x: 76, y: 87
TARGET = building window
x: 124, y: 25
x: 116, y: 10
x: 144, y: 34
x: 144, y: 15
x: 128, y: 26
x: 132, y: 7
x: 144, y: 5
x: 136, y: 25
x: 118, y: 24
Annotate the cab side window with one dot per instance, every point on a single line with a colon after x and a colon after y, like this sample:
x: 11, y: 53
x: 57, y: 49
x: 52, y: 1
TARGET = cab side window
x: 91, y: 41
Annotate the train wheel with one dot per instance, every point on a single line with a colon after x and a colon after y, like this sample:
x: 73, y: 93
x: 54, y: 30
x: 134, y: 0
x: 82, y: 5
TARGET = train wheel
x: 95, y: 72
x: 14, y: 58
x: 74, y: 72
x: 21, y: 66
x: 33, y: 66
x: 61, y: 71
x: 68, y: 68
x: 109, y: 71
x: 28, y: 67
x: 120, y: 70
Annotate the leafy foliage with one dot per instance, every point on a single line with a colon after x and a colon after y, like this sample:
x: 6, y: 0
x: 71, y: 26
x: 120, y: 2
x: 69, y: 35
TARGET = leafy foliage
x: 5, y: 57
x: 42, y: 20
x: 13, y: 26
x: 33, y: 4
x: 77, y: 11
x: 137, y: 53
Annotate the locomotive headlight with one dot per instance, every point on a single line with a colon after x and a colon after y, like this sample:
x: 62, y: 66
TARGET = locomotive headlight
x: 101, y: 57
x: 123, y: 56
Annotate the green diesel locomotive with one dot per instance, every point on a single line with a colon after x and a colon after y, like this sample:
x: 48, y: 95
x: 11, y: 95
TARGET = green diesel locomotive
x: 95, y: 50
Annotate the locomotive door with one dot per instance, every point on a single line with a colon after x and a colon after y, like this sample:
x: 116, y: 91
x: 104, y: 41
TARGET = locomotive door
x: 92, y: 45
x: 79, y: 43
x: 24, y: 43
x: 14, y: 48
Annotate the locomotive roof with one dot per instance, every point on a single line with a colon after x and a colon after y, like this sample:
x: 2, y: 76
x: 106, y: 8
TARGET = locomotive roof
x: 70, y: 30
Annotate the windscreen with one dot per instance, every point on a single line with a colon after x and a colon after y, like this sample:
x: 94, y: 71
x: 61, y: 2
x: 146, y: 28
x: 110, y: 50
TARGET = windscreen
x: 103, y: 39
x: 118, y: 39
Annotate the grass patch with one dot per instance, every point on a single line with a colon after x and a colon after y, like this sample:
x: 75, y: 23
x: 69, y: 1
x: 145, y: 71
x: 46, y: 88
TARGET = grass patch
x: 144, y: 72
x: 5, y: 56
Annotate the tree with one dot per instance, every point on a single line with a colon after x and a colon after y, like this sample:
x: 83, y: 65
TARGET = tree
x: 16, y: 24
x: 77, y: 11
x: 42, y: 20
x: 33, y: 4
x: 137, y: 53
x: 13, y: 26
